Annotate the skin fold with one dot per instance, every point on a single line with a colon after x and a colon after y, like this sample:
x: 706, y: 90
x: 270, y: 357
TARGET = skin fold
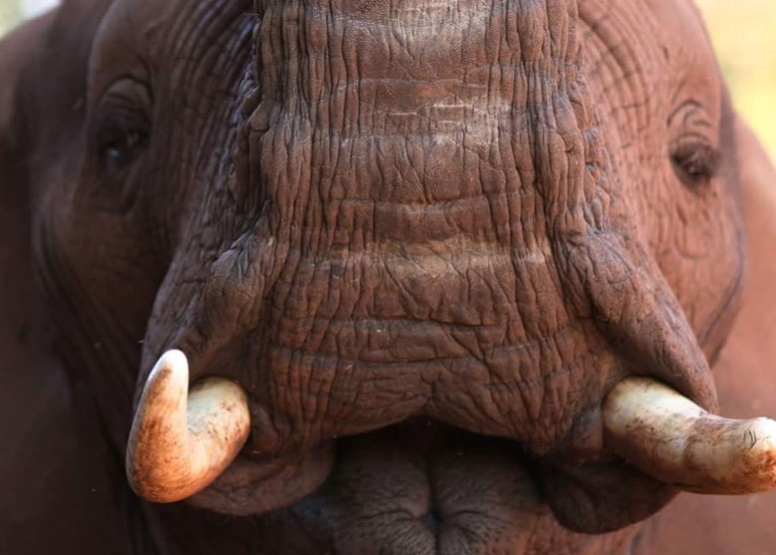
x: 426, y: 238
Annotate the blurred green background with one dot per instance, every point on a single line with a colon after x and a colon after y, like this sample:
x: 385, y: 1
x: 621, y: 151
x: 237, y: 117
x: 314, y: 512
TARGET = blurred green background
x: 743, y: 31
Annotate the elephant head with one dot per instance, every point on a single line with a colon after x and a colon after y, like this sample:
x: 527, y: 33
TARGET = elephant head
x: 419, y: 261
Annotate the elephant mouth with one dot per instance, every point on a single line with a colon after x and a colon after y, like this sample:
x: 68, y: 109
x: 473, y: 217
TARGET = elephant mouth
x: 424, y: 479
x: 422, y: 487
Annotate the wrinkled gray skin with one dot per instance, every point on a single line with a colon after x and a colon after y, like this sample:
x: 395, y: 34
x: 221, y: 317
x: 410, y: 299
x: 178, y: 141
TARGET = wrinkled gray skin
x: 426, y: 237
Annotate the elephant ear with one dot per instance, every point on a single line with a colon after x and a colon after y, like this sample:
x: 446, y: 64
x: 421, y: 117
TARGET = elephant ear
x: 55, y: 494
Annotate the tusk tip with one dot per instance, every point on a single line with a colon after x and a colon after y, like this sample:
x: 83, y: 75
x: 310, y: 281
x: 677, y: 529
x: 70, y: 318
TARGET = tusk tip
x: 760, y: 437
x: 171, y: 362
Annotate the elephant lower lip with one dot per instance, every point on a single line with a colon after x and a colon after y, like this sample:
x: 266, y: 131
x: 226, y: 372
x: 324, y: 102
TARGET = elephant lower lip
x: 250, y: 487
x: 421, y: 488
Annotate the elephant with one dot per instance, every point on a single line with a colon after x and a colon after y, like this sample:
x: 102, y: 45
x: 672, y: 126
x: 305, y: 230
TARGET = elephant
x: 301, y: 277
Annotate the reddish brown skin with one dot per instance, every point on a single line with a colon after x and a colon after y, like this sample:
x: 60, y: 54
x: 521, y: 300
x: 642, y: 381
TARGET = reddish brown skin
x: 427, y: 258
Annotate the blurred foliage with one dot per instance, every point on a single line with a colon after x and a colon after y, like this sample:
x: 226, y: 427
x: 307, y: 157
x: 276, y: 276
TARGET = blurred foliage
x: 743, y: 32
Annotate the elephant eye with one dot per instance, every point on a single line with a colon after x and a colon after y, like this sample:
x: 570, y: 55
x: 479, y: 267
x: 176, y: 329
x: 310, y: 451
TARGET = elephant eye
x: 123, y: 126
x: 695, y: 161
x: 120, y: 145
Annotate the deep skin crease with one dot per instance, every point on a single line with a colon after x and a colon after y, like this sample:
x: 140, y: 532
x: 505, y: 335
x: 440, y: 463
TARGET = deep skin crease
x: 426, y: 237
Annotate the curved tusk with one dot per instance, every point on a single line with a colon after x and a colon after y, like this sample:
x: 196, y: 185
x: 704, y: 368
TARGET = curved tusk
x: 675, y: 441
x: 182, y: 440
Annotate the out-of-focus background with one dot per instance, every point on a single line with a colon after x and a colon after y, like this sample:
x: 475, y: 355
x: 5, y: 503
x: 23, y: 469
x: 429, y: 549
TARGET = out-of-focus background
x: 743, y: 31
x: 744, y: 35
x: 14, y: 11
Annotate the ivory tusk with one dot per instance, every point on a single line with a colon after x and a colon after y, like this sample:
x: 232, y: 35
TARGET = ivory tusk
x: 182, y: 440
x: 672, y: 439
